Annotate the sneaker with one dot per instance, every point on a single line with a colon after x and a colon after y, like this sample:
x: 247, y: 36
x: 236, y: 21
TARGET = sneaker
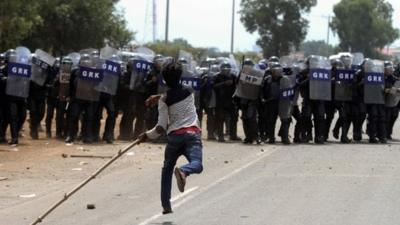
x: 180, y: 179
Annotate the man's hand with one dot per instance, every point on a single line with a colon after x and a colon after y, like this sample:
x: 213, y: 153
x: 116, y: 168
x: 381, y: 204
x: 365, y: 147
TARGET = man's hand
x: 142, y: 138
x: 152, y: 100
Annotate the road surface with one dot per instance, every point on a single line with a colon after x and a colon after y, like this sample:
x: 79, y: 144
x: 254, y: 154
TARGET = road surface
x: 357, y: 184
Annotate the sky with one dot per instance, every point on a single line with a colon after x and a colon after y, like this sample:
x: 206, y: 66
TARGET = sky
x: 207, y: 23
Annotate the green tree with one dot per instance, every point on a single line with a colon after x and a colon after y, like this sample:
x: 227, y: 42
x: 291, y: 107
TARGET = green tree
x: 279, y: 23
x: 74, y: 24
x: 364, y: 25
x: 317, y: 48
x: 17, y: 20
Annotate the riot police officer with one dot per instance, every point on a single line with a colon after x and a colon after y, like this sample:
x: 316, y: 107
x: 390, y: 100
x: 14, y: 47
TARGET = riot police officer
x: 246, y: 97
x: 3, y: 99
x: 152, y: 86
x: 313, y: 106
x: 84, y: 99
x: 392, y: 90
x: 224, y: 87
x: 52, y: 96
x: 373, y: 84
x: 277, y: 101
x: 208, y: 100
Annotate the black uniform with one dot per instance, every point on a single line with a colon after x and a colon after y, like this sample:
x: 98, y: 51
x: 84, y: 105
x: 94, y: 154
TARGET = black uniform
x: 3, y: 103
x: 77, y: 108
x: 392, y: 113
x: 208, y: 102
x: 271, y: 98
x: 123, y: 104
x: 311, y: 108
x: 106, y: 102
x: 52, y: 100
x: 224, y: 87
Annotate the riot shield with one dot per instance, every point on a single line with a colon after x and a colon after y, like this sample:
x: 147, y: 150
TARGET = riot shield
x: 144, y: 52
x: 75, y: 57
x: 358, y: 58
x: 90, y: 74
x: 64, y: 79
x: 320, y: 78
x: 343, y: 84
x: 235, y: 67
x: 374, y: 82
x: 88, y: 51
x: 19, y: 73
x: 108, y: 52
x: 286, y: 98
x: 393, y: 97
x: 111, y: 74
x: 41, y: 61
x: 249, y: 85
x: 140, y: 67
x: 287, y: 63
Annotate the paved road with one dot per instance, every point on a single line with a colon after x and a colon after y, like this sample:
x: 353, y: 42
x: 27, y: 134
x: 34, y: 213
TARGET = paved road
x: 275, y: 185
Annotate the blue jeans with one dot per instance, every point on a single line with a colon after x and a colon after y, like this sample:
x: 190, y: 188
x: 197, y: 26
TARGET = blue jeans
x: 188, y: 145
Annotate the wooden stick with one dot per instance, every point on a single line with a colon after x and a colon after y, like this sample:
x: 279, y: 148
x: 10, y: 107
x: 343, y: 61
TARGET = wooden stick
x: 77, y: 188
x: 86, y: 156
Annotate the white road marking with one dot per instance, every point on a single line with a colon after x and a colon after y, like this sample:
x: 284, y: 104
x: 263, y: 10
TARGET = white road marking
x: 202, y: 190
x: 187, y: 192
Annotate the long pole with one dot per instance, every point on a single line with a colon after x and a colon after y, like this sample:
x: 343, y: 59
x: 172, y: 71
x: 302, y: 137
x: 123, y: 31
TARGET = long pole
x: 328, y: 32
x: 167, y: 23
x: 233, y: 26
x: 81, y: 185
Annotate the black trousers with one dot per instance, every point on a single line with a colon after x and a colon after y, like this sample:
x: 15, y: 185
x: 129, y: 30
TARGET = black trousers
x: 358, y: 115
x: 376, y: 121
x: 77, y: 108
x: 296, y: 114
x: 51, y: 107
x: 106, y: 102
x: 62, y: 119
x: 392, y: 113
x: 229, y: 114
x: 124, y: 105
x: 315, y: 110
x: 37, y: 108
x: 262, y: 124
x: 17, y: 116
x: 249, y: 119
x: 3, y: 117
x: 134, y: 112
x: 151, y: 117
x: 211, y: 119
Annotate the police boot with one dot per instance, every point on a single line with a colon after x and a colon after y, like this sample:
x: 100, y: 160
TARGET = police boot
x: 34, y: 132
x: 345, y: 129
x: 319, y: 132
x: 336, y: 129
x: 297, y: 132
x: 285, y: 132
x: 271, y: 133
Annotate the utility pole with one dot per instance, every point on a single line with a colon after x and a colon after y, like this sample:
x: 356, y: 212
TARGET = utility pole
x: 327, y: 37
x: 233, y: 26
x: 167, y: 23
x: 154, y: 20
